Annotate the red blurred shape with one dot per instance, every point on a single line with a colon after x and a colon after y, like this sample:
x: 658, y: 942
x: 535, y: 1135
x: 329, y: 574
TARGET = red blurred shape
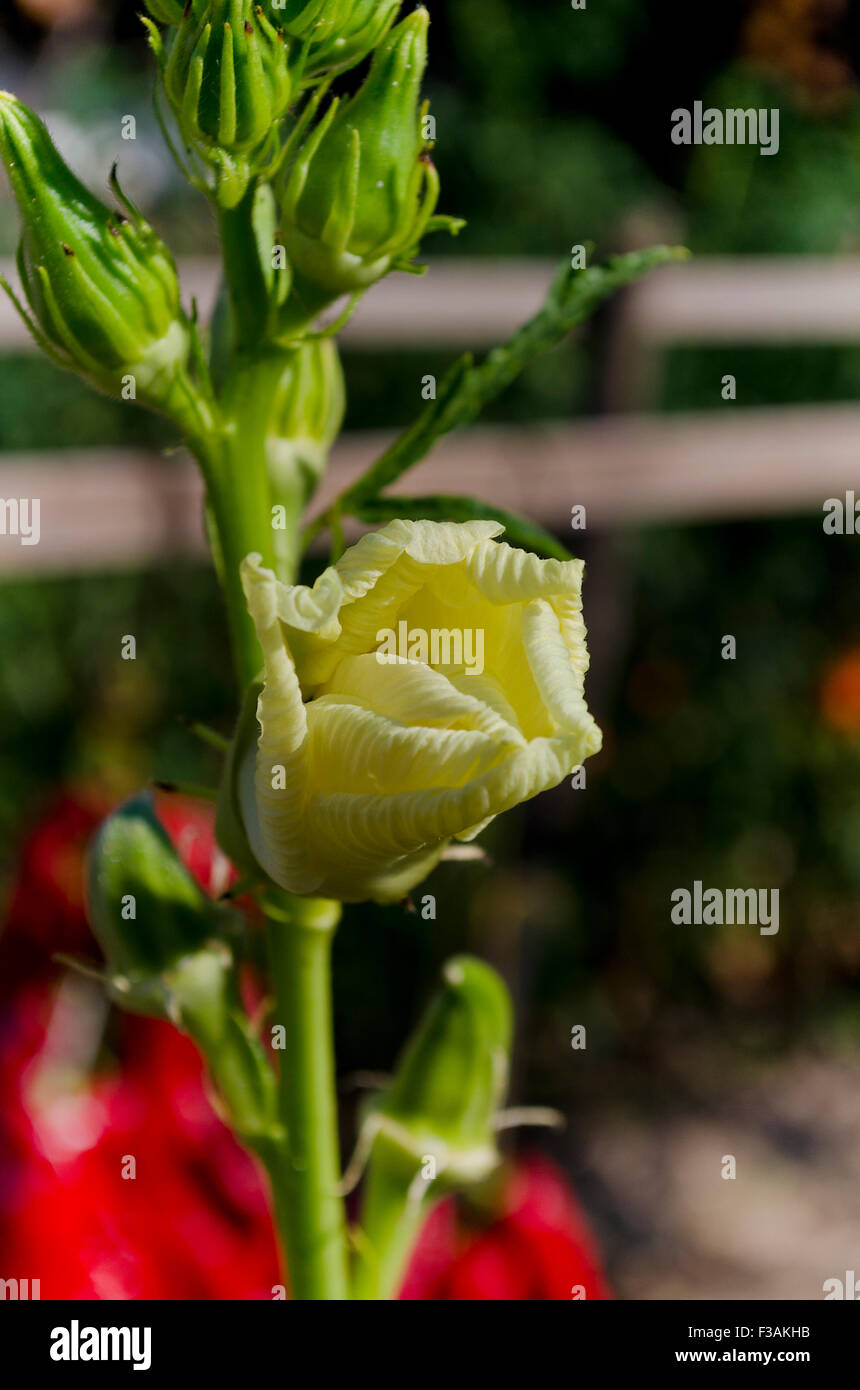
x: 537, y: 1248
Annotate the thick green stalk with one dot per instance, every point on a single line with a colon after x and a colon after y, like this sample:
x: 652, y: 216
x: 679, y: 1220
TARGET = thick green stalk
x: 239, y: 496
x: 239, y: 512
x: 310, y: 1209
x: 304, y: 1168
x: 303, y: 1164
x: 248, y: 400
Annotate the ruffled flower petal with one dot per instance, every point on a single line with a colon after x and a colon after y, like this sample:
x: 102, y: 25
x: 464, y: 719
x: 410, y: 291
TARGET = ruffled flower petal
x: 366, y: 767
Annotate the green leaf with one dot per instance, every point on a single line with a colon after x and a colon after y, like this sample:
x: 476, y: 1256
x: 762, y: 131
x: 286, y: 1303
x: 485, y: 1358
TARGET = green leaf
x: 518, y: 529
x: 466, y: 389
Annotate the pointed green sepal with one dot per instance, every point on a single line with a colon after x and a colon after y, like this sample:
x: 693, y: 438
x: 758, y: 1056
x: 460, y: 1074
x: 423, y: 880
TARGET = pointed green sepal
x: 168, y: 11
x: 308, y: 19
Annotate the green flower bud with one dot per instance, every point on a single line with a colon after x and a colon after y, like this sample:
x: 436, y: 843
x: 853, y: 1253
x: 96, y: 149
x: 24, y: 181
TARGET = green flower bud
x: 453, y: 1076
x: 308, y: 404
x: 433, y: 1129
x: 165, y: 958
x: 307, y: 414
x: 100, y: 285
x: 362, y: 190
x: 146, y: 909
x: 349, y: 41
x: 228, y: 80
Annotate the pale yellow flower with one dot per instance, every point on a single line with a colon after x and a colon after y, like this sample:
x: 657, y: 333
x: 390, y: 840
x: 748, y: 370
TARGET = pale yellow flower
x: 365, y: 768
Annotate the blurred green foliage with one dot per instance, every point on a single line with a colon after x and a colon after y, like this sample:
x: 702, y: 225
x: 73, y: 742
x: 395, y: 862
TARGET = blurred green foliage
x: 803, y: 200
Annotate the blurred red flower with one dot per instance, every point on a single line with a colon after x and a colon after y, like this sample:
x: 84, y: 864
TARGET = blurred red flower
x: 88, y: 1152
x: 126, y: 1185
x: 535, y: 1247
x: 118, y: 1180
x: 46, y: 910
x: 191, y: 826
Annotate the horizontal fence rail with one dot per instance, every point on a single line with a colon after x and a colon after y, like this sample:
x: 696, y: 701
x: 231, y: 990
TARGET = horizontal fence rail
x: 479, y: 302
x: 108, y: 509
x: 750, y: 299
x: 117, y: 509
x: 458, y: 303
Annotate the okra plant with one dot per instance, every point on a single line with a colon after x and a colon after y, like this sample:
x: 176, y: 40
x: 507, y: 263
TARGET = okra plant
x: 352, y: 769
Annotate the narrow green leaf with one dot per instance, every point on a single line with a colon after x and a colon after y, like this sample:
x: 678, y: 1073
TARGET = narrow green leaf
x: 467, y: 388
x: 415, y: 442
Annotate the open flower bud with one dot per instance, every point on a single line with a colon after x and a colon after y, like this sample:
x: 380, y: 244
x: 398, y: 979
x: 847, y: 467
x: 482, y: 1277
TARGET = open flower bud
x: 361, y: 191
x: 227, y: 77
x: 429, y: 680
x: 101, y: 286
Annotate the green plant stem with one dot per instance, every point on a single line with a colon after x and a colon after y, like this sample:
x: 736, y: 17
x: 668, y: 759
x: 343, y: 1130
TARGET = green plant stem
x: 303, y: 1163
x: 246, y: 281
x: 238, y: 514
x: 238, y: 506
x: 205, y: 987
x: 309, y: 1208
x: 234, y: 461
x: 249, y: 401
x: 392, y: 1214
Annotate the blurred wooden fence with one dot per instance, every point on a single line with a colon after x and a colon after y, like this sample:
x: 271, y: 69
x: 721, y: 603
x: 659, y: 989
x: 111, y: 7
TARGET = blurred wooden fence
x: 114, y: 508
